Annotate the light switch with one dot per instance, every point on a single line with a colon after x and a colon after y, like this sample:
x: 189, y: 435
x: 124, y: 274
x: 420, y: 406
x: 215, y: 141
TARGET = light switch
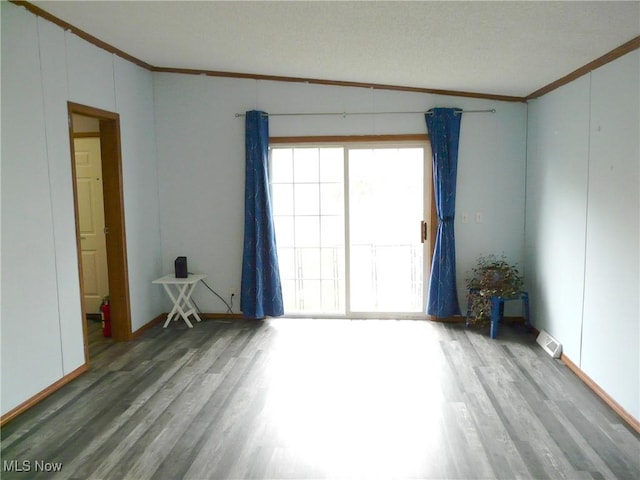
x: 479, y: 217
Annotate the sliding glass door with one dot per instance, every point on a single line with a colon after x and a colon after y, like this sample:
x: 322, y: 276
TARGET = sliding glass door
x: 347, y: 221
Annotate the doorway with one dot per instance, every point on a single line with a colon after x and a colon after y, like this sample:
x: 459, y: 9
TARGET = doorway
x: 93, y: 248
x: 99, y: 213
x: 351, y: 223
x: 95, y: 274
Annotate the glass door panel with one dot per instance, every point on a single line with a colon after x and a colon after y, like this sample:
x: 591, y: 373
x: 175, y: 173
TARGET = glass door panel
x: 308, y: 208
x: 386, y: 204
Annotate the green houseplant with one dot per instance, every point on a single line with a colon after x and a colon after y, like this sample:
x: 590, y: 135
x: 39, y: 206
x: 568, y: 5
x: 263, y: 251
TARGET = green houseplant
x: 491, y: 276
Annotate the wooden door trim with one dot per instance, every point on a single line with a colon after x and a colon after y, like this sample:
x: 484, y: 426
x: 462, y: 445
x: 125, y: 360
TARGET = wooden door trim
x: 86, y: 135
x: 114, y: 220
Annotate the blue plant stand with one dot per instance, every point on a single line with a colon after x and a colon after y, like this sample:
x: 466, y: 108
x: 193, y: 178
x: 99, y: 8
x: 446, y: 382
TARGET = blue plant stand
x: 497, y: 309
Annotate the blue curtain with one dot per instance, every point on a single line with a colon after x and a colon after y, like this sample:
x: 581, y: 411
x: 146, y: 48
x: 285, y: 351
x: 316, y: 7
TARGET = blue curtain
x: 261, y: 290
x: 443, y: 125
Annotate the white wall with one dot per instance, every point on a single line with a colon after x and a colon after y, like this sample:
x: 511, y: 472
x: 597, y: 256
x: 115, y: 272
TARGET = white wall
x: 582, y: 224
x: 30, y: 328
x: 557, y: 172
x: 201, y: 164
x: 43, y: 68
x: 134, y: 103
x: 611, y: 322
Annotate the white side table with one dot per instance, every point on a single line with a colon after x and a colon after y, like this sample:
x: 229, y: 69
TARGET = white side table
x: 180, y: 296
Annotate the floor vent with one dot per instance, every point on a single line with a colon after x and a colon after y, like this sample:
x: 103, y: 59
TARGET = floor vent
x: 549, y: 344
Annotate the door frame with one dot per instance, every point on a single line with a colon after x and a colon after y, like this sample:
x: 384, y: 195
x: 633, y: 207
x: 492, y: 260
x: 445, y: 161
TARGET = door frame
x: 118, y: 271
x: 431, y: 216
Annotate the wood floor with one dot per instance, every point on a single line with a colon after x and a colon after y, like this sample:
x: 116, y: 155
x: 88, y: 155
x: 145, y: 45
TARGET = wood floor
x: 306, y: 399
x: 97, y: 341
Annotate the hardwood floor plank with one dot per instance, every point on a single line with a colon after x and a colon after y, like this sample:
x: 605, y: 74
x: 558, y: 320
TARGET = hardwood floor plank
x: 501, y: 450
x: 207, y: 423
x: 567, y: 443
x: 162, y: 435
x: 614, y: 458
x: 235, y: 346
x: 130, y: 439
x: 94, y: 449
x: 70, y: 418
x: 478, y: 464
x: 243, y: 403
x: 462, y: 358
x: 527, y: 427
x: 39, y: 415
x: 237, y: 433
x: 593, y: 462
x: 312, y: 399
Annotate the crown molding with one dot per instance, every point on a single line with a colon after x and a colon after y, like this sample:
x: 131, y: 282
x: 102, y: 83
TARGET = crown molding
x: 339, y: 83
x: 617, y: 52
x: 80, y: 33
x: 614, y: 54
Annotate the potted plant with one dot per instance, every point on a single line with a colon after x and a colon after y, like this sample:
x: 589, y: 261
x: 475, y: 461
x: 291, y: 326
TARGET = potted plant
x: 491, y: 276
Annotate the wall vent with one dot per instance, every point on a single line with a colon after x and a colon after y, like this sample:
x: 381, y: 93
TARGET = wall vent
x: 549, y: 344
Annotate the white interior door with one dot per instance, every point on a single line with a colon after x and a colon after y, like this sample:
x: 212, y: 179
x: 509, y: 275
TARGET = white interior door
x: 91, y: 221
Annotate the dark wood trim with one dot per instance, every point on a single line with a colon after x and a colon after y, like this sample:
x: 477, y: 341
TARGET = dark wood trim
x: 94, y: 112
x: 463, y: 319
x: 86, y: 134
x: 112, y: 185
x: 456, y: 319
x: 27, y: 404
x: 204, y: 316
x: 149, y: 325
x: 221, y: 316
x: 110, y: 150
x: 420, y: 137
x: 626, y: 416
x: 80, y: 33
x: 608, y: 57
x: 338, y: 83
x: 614, y: 54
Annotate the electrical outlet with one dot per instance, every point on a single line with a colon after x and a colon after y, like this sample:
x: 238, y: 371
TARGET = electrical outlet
x: 234, y: 293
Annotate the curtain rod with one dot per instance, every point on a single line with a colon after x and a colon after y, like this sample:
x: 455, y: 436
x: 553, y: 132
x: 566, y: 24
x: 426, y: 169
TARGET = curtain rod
x: 344, y: 114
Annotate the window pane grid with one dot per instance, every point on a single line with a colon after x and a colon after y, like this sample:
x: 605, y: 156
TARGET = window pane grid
x: 311, y: 223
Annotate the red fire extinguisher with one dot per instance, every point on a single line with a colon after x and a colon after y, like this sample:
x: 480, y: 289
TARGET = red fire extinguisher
x: 105, y: 313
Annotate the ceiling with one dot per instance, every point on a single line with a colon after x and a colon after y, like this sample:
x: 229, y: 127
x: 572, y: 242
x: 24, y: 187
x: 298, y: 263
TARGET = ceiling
x: 498, y: 47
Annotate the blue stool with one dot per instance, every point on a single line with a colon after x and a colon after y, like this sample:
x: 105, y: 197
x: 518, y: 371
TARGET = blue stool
x: 497, y: 309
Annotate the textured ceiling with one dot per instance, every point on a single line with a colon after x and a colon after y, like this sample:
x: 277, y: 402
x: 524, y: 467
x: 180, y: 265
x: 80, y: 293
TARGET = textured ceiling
x: 501, y: 47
